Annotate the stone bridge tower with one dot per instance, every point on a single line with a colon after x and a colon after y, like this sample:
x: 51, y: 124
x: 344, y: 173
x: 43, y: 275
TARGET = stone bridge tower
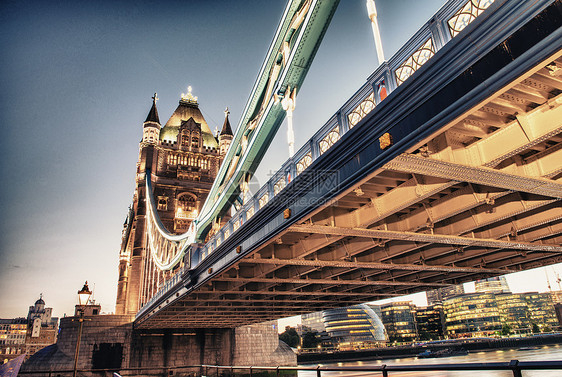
x: 184, y: 158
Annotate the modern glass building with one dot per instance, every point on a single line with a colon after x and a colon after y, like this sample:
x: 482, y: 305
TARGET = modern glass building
x: 541, y: 310
x: 514, y: 312
x: 471, y: 315
x: 354, y: 327
x: 399, y: 321
x: 430, y: 321
x: 313, y: 321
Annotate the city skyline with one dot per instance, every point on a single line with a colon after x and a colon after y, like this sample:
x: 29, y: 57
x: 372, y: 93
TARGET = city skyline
x: 78, y: 82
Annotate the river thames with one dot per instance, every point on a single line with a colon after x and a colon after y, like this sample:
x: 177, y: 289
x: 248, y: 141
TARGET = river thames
x: 544, y: 353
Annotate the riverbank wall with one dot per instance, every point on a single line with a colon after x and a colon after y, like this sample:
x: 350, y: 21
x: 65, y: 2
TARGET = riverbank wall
x: 471, y: 345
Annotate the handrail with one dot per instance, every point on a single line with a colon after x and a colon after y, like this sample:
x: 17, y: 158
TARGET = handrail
x: 515, y: 366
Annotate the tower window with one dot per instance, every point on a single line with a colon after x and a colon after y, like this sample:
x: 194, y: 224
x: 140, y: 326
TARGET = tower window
x: 186, y: 203
x: 162, y: 203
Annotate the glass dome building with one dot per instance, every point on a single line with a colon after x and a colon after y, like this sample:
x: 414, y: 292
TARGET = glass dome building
x: 354, y: 327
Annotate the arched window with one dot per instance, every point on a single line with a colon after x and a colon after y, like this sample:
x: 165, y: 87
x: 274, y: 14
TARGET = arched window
x: 186, y: 203
x: 204, y: 164
x: 162, y: 203
x: 184, y: 140
x: 194, y: 142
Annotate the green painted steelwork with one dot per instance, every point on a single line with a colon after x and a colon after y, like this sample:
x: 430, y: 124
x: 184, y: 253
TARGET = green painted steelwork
x: 285, y: 67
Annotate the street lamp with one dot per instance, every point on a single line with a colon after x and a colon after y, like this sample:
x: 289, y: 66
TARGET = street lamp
x: 372, y: 12
x: 84, y: 295
x: 83, y: 298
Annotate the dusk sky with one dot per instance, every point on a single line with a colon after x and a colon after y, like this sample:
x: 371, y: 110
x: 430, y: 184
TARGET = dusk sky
x: 77, y: 80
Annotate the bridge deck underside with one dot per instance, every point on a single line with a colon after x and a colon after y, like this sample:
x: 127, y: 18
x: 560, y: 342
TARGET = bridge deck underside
x: 479, y: 198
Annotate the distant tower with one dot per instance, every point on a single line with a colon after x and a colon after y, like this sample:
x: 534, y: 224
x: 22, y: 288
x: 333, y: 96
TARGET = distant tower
x: 226, y: 136
x: 37, y: 316
x: 183, y: 157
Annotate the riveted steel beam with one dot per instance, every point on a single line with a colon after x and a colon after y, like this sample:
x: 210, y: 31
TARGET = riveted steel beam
x: 424, y: 237
x: 374, y: 266
x: 475, y: 174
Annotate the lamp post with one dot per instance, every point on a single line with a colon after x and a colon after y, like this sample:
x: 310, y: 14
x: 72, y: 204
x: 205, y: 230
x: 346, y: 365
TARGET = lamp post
x: 372, y: 12
x: 83, y: 298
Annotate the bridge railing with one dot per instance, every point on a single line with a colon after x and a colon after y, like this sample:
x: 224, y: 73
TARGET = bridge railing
x: 514, y: 366
x: 448, y: 22
x: 445, y: 25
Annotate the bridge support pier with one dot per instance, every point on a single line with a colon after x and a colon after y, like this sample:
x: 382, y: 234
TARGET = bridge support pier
x: 111, y: 342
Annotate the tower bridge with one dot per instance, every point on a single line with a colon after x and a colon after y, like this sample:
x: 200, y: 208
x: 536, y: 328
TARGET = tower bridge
x: 444, y: 167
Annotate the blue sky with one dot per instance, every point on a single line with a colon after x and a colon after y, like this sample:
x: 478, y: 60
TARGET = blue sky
x: 77, y: 80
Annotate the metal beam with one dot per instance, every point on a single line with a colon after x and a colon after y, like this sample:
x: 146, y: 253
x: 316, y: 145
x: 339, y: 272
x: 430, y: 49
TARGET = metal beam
x: 375, y: 266
x: 415, y: 164
x: 336, y: 282
x: 423, y: 237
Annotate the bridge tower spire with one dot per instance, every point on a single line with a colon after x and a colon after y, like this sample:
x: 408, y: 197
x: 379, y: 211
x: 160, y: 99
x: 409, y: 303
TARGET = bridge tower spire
x: 151, y: 126
x: 226, y: 135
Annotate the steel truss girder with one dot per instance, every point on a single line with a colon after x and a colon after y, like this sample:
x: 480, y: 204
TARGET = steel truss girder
x: 370, y: 266
x: 525, y: 132
x: 276, y: 293
x: 415, y: 164
x: 543, y: 216
x: 337, y: 282
x: 424, y: 237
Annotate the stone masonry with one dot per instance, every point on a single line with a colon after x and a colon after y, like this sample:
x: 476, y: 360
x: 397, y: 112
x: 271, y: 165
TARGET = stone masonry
x: 110, y: 342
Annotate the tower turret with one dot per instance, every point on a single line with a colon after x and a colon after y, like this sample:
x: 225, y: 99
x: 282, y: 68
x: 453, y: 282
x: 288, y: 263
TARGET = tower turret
x: 151, y: 126
x: 226, y: 136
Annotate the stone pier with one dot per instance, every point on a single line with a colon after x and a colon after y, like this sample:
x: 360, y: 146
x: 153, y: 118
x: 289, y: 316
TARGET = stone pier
x: 111, y: 342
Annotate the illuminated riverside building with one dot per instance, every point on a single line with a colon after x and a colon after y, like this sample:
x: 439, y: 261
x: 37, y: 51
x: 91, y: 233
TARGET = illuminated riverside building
x: 471, y: 315
x: 313, y: 321
x: 556, y: 296
x: 541, y: 310
x: 399, y: 321
x: 12, y: 338
x: 354, y: 327
x: 430, y: 322
x: 514, y: 311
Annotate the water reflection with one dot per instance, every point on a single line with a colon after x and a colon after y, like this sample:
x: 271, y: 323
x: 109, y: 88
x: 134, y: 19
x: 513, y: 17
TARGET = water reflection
x: 546, y: 353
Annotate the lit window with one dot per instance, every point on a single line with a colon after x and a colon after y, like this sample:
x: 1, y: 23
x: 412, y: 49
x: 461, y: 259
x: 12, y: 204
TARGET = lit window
x: 250, y: 213
x: 162, y: 203
x: 186, y: 207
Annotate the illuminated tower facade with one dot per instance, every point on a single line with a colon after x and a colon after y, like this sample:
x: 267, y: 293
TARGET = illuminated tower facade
x: 183, y: 158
